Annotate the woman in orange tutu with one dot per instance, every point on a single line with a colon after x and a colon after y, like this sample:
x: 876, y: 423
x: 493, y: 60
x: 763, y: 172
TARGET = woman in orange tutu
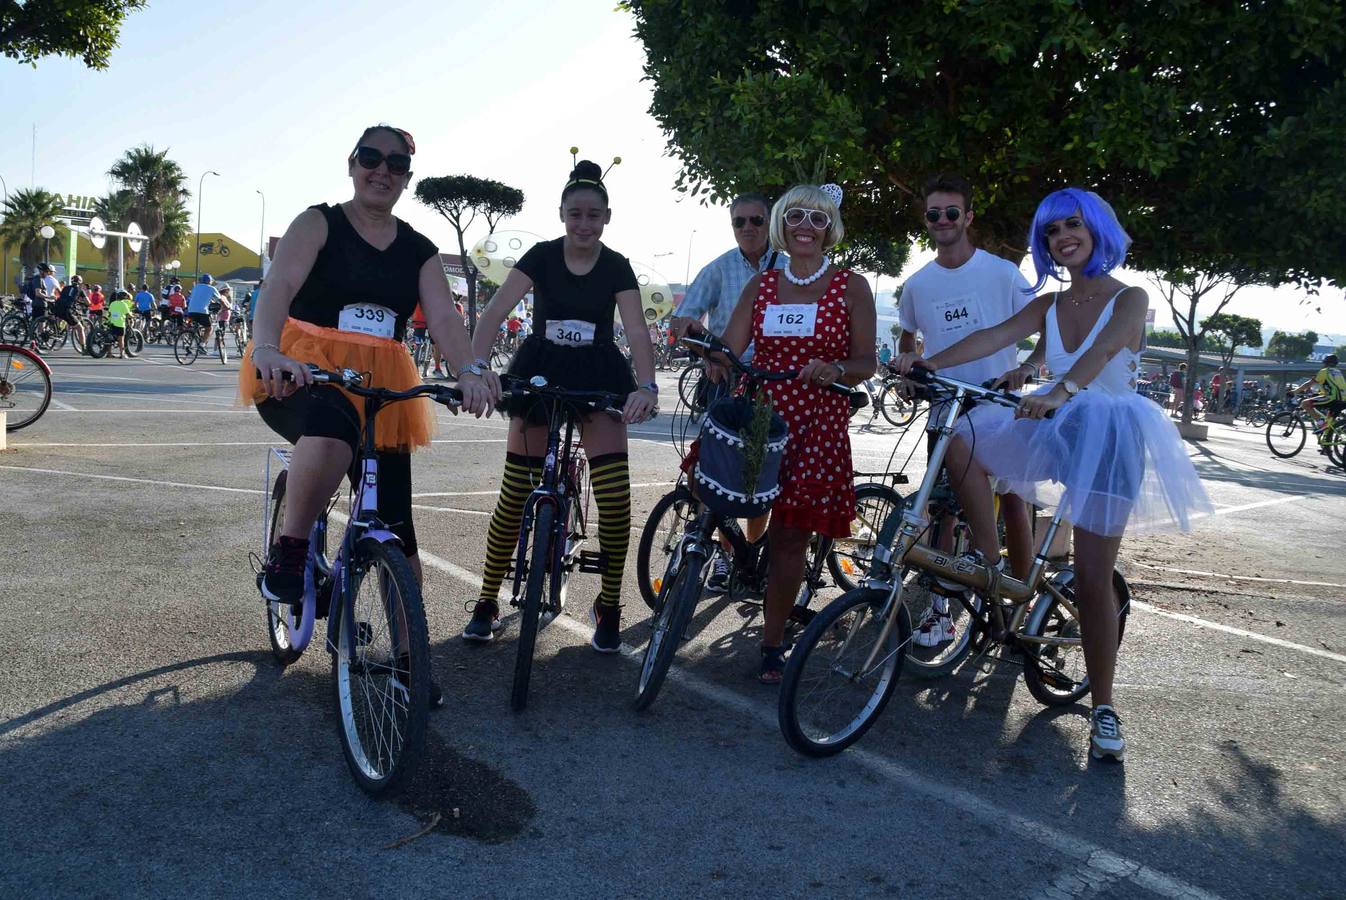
x: 344, y: 282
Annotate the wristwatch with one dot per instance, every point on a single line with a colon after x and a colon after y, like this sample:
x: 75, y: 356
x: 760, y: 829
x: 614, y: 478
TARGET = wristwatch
x: 1071, y: 387
x: 840, y: 368
x: 474, y: 368
x: 652, y: 388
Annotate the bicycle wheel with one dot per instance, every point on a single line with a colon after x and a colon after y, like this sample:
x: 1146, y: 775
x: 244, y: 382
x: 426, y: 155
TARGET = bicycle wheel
x: 79, y: 336
x: 659, y: 538
x: 677, y: 604
x: 689, y: 388
x: 220, y: 349
x: 381, y: 671
x: 1055, y: 674
x: 99, y: 343
x: 25, y: 386
x: 1336, y: 446
x: 1286, y: 434
x: 280, y: 617
x: 832, y: 691
x: 531, y: 611
x: 135, y: 342
x: 848, y: 559
x: 14, y: 328
x: 186, y: 348
x: 895, y: 409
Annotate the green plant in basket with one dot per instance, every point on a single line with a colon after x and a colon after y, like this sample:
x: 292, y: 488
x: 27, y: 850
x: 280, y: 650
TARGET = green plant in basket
x: 755, y: 437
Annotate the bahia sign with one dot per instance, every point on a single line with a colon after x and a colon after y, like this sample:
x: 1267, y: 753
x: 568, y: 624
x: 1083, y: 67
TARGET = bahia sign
x: 78, y: 204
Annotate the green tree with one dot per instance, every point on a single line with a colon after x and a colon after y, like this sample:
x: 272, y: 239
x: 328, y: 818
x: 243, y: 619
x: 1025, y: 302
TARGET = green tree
x: 1229, y: 332
x: 115, y: 209
x: 158, y: 188
x: 171, y: 242
x: 1291, y: 347
x: 460, y: 199
x: 1340, y: 351
x: 26, y: 211
x: 81, y: 29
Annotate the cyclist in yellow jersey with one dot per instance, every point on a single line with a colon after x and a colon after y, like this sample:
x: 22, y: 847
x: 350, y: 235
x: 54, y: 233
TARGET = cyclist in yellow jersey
x: 1330, y: 397
x: 117, y: 311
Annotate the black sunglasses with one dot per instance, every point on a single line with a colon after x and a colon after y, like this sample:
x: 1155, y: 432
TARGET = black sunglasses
x: 740, y: 221
x: 950, y: 212
x: 369, y: 158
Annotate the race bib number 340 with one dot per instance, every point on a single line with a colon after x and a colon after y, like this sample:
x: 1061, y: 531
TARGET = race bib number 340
x: 570, y: 332
x: 790, y: 320
x: 368, y: 318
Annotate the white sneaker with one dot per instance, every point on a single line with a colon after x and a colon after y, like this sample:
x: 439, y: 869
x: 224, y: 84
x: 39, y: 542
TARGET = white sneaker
x: 1105, y: 735
x: 936, y: 628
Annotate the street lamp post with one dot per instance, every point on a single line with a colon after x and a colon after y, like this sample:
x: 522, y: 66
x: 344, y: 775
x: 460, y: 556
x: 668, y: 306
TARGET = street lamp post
x: 261, y: 237
x: 4, y: 285
x: 47, y: 233
x: 199, y: 186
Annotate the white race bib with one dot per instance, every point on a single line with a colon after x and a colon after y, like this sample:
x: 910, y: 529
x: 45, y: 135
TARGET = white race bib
x: 790, y: 320
x: 368, y: 318
x: 957, y: 316
x: 570, y: 332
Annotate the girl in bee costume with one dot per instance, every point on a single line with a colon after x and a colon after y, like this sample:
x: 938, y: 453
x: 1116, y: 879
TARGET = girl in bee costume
x: 577, y: 283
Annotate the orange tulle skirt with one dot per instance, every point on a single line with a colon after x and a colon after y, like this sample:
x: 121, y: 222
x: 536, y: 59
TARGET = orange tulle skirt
x: 386, y: 363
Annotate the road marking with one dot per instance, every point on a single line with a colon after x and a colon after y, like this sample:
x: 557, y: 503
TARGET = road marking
x: 646, y: 484
x: 1229, y: 629
x: 1239, y: 577
x: 1102, y: 865
x: 121, y: 395
x: 63, y: 407
x: 155, y: 362
x: 180, y: 484
x: 221, y: 412
x: 1224, y: 511
x: 451, y: 509
x: 74, y: 375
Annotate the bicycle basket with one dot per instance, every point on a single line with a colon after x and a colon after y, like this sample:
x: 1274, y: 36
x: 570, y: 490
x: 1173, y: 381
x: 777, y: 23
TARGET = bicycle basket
x: 721, y: 470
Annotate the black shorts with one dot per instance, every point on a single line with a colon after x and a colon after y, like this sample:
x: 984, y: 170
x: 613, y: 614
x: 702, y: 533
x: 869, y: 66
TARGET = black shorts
x: 200, y: 318
x: 116, y: 330
x: 64, y: 314
x: 323, y: 411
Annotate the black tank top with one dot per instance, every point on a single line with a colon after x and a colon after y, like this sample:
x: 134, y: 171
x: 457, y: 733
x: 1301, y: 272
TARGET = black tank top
x: 350, y: 270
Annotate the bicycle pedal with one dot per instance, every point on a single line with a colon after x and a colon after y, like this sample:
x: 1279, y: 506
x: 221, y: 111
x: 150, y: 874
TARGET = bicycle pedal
x: 593, y: 562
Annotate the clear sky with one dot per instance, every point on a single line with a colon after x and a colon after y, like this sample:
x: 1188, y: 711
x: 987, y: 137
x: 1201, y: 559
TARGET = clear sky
x: 273, y: 95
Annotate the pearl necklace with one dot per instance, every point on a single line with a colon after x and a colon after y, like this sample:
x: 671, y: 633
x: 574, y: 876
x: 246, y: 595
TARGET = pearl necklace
x: 795, y: 279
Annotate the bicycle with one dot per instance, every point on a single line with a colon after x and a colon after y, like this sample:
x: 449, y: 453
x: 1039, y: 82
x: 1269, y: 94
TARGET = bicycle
x: 846, y: 664
x: 1288, y: 431
x: 190, y: 345
x: 687, y: 545
x: 101, y: 340
x: 51, y: 334
x: 380, y: 672
x: 25, y: 386
x: 886, y: 400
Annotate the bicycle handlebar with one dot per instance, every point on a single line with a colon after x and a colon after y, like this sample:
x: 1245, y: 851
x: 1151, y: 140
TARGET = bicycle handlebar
x: 353, y: 381
x: 518, y: 388
x: 929, y: 379
x: 712, y: 344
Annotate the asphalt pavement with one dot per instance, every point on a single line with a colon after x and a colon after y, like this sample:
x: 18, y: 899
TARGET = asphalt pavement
x: 152, y: 747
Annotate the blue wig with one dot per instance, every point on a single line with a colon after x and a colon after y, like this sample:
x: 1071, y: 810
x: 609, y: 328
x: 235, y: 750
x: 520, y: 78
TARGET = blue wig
x: 1110, y: 239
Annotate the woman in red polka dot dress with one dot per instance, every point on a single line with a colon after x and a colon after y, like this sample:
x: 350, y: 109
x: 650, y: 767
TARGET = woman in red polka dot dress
x: 816, y: 319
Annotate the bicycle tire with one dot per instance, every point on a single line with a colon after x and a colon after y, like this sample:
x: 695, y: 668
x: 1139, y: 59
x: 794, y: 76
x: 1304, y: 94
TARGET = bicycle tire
x: 185, y: 348
x: 898, y: 412
x: 668, y: 627
x: 1336, y: 446
x: 25, y: 386
x: 48, y: 336
x: 530, y: 613
x: 689, y: 387
x: 135, y: 342
x: 14, y: 328
x: 98, y: 344
x: 220, y: 349
x: 79, y: 337
x: 1281, y: 431
x: 842, y: 626
x: 651, y: 572
x: 379, y: 765
x: 277, y: 626
x: 1050, y: 682
x: 848, y: 558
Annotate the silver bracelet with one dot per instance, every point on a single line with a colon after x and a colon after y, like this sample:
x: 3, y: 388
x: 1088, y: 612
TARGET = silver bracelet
x: 256, y: 347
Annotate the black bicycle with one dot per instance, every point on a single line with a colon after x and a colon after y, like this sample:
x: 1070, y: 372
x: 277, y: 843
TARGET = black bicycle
x: 682, y: 530
x: 555, y: 517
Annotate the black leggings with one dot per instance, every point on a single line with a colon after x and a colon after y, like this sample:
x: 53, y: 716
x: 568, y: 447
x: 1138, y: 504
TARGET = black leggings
x: 323, y: 411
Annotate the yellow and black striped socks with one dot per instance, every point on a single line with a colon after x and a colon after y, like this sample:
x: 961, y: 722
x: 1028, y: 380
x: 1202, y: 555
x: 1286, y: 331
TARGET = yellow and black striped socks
x: 610, y: 477
x: 522, y: 473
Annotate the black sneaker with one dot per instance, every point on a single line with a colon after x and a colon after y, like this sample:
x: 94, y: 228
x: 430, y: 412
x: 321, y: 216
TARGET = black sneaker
x: 718, y: 582
x: 283, y: 576
x: 607, y: 622
x: 485, y: 622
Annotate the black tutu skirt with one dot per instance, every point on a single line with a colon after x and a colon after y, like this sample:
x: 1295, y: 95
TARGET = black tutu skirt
x: 597, y: 367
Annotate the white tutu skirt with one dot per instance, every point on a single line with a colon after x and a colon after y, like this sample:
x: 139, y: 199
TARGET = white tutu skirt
x: 1111, y: 462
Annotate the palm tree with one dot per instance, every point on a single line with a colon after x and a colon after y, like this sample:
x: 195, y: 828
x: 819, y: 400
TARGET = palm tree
x: 115, y: 210
x: 171, y: 241
x: 158, y: 186
x: 26, y: 211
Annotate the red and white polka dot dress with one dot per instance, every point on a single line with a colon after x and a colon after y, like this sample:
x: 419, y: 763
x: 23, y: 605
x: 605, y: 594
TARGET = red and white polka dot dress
x: 818, y: 492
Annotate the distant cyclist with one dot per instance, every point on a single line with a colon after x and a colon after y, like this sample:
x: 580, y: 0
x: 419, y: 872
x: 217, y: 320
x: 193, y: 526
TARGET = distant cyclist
x: 144, y: 301
x: 64, y: 307
x: 199, y: 304
x: 1328, y: 394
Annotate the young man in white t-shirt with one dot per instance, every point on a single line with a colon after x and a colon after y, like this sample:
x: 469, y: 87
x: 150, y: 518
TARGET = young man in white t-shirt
x: 961, y: 291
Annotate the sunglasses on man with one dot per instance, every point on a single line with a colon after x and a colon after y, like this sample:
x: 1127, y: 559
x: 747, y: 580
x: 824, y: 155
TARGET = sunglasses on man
x: 949, y: 212
x: 740, y: 221
x: 795, y: 216
x: 370, y: 157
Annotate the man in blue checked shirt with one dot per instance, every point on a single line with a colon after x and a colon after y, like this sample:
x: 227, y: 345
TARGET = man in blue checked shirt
x: 713, y: 295
x: 717, y: 287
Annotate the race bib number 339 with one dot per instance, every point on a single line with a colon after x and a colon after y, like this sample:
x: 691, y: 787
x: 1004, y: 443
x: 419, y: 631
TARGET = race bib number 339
x: 790, y: 320
x: 368, y: 318
x: 570, y: 332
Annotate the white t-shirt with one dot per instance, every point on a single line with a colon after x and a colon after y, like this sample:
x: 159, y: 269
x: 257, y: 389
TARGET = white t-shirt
x: 947, y: 305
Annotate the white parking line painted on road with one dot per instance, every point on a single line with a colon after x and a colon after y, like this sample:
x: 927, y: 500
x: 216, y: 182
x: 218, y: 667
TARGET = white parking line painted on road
x: 451, y: 509
x: 1229, y: 629
x: 1224, y: 511
x: 163, y: 444
x: 1102, y: 863
x: 77, y: 375
x: 1239, y: 577
x: 62, y: 406
x: 155, y: 362
x: 179, y: 484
